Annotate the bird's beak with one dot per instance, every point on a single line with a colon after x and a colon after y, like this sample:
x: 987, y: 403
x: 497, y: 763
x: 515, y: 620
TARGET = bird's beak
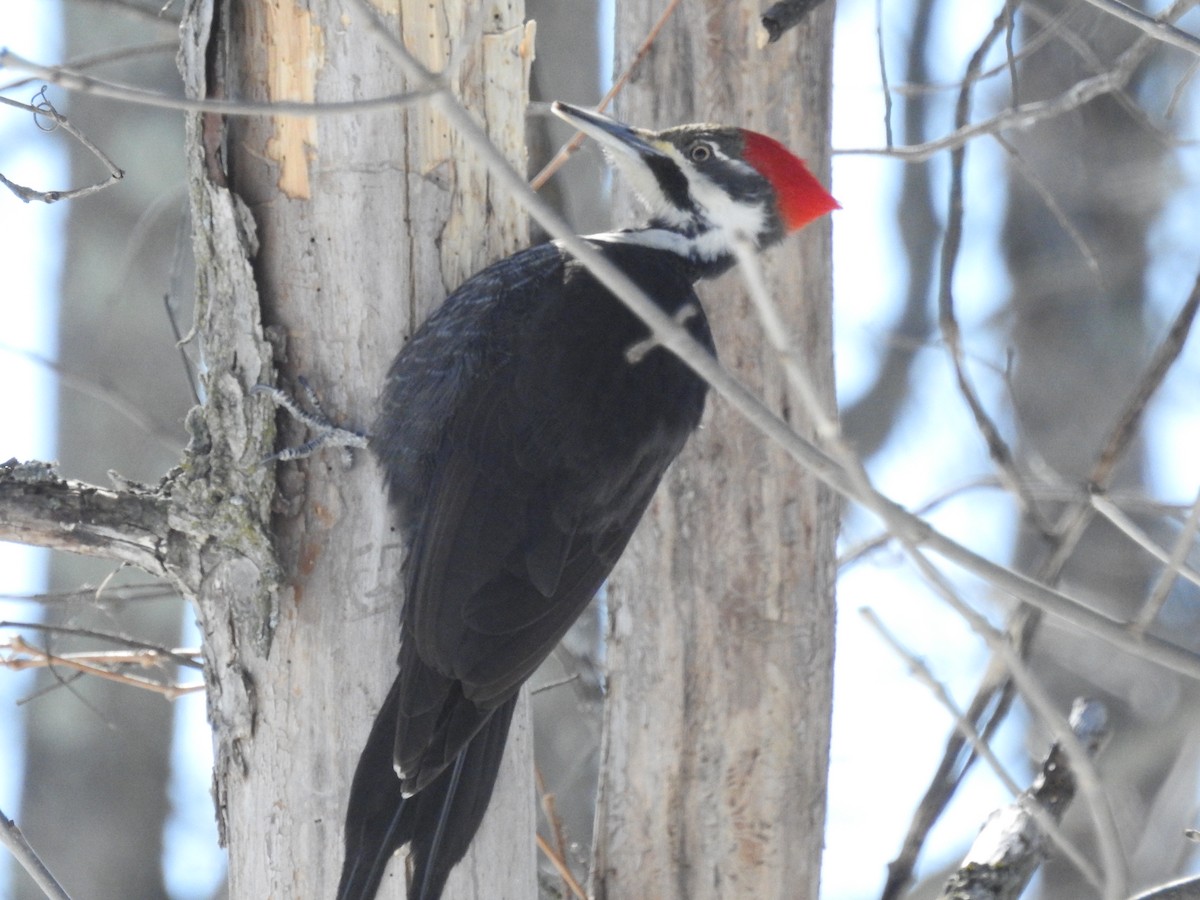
x: 615, y: 137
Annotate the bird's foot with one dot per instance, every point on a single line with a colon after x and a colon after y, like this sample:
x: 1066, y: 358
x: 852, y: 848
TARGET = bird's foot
x: 325, y: 432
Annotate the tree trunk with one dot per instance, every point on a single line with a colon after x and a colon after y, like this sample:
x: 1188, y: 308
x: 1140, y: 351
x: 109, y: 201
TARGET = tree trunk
x: 721, y: 646
x: 364, y: 223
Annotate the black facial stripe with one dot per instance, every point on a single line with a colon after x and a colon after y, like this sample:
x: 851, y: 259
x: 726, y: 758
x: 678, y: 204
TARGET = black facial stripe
x: 673, y: 182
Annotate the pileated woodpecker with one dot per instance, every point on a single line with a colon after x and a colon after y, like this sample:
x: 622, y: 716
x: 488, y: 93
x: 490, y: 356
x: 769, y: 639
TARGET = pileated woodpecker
x: 522, y: 441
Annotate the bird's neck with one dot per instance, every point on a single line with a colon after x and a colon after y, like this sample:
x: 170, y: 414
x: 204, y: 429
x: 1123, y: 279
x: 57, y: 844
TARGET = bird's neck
x: 707, y: 253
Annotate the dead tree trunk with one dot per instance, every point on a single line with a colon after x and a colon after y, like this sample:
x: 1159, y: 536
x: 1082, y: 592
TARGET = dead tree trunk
x: 721, y: 645
x: 344, y: 231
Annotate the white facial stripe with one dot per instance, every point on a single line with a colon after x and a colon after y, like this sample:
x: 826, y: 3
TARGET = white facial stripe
x: 723, y: 221
x: 707, y: 246
x: 656, y: 238
x: 726, y: 217
x: 723, y: 212
x: 647, y: 188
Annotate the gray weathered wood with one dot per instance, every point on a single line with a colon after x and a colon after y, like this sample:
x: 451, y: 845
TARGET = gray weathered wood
x: 363, y: 223
x: 717, y: 726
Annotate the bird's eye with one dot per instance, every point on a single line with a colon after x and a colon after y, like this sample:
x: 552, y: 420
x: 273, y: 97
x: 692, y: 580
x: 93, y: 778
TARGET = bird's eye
x: 700, y: 153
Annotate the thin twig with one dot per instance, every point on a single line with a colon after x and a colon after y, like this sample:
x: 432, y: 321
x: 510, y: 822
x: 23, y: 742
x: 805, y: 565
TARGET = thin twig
x: 1010, y: 57
x: 146, y: 13
x: 1166, y: 579
x: 12, y: 838
x: 106, y: 393
x: 1177, y: 94
x: 1160, y: 31
x: 46, y: 110
x: 1095, y: 65
x: 558, y: 857
x: 187, y: 658
x: 123, y: 593
x: 552, y: 685
x: 1174, y: 560
x: 883, y: 76
x: 1027, y: 115
x: 857, y: 552
x: 104, y: 57
x: 1043, y: 191
x: 1051, y: 29
x: 26, y: 656
x: 560, y: 866
x: 980, y: 746
x: 1135, y: 409
x: 85, y: 84
x: 576, y: 142
x: 998, y: 448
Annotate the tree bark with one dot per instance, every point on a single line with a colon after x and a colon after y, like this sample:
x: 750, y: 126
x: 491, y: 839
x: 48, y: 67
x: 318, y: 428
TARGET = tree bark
x: 346, y: 230
x: 721, y: 643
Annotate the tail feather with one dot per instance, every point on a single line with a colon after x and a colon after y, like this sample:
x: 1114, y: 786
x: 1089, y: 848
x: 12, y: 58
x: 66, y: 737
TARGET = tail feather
x: 439, y: 821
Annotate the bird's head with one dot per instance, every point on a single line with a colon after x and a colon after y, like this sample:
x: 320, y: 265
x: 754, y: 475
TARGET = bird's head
x: 711, y: 184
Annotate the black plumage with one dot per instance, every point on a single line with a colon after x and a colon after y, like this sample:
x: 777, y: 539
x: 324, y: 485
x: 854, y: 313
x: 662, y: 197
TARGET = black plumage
x: 521, y: 447
x: 522, y: 432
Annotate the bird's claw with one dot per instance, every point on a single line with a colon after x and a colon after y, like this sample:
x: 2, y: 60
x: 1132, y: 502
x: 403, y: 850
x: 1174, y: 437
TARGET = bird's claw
x: 325, y: 431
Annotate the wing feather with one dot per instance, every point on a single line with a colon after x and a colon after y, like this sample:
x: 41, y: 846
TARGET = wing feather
x: 521, y: 473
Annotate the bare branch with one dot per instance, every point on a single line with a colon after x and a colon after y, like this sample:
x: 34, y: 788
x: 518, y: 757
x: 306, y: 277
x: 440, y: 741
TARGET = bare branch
x: 108, y: 665
x: 556, y: 854
x: 11, y: 837
x: 151, y: 652
x: 1166, y: 579
x: 1010, y: 656
x: 1056, y: 210
x: 1028, y: 114
x: 99, y: 59
x: 145, y: 13
x: 1160, y: 31
x: 120, y: 594
x: 994, y: 694
x: 998, y: 448
x: 37, y: 507
x: 1183, y: 889
x: 1012, y: 843
x: 560, y: 866
x: 46, y: 110
x: 1177, y: 94
x: 883, y: 75
x: 1174, y: 561
x: 1135, y: 410
x: 1010, y: 56
x: 85, y: 84
x: 980, y: 746
x: 576, y: 142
